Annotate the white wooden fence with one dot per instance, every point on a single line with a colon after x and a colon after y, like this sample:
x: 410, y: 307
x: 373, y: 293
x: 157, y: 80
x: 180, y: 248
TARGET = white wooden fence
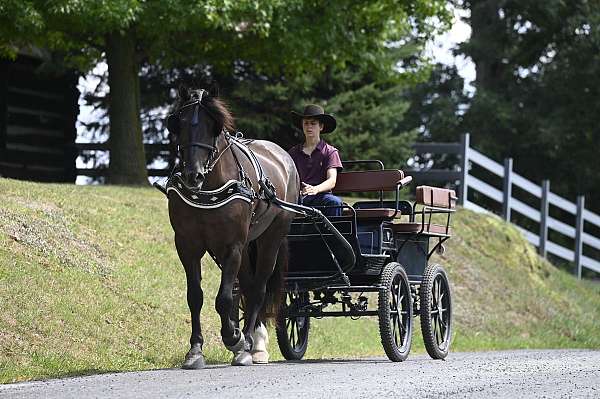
x: 470, y: 156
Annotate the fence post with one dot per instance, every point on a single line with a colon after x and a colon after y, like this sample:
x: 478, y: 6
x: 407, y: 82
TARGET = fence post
x: 579, y: 234
x: 544, y: 217
x: 508, y: 162
x: 464, y: 168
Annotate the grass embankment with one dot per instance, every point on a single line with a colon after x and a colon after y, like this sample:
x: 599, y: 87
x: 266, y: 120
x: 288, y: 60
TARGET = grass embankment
x: 90, y: 282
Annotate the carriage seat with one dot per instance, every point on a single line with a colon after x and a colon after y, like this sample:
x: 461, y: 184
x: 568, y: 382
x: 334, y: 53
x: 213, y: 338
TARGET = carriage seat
x: 372, y: 181
x: 428, y: 201
x: 436, y: 197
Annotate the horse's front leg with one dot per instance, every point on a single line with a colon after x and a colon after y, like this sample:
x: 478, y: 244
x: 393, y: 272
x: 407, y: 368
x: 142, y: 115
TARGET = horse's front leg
x: 190, y: 256
x: 232, y: 336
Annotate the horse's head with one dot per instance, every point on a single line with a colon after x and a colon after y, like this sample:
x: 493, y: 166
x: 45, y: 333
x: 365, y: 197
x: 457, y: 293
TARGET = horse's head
x: 198, y: 120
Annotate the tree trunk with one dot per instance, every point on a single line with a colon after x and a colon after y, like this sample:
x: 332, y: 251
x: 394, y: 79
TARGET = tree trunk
x: 127, y: 158
x: 486, y: 47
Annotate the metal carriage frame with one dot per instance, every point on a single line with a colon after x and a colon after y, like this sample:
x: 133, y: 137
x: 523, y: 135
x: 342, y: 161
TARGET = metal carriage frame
x: 391, y: 243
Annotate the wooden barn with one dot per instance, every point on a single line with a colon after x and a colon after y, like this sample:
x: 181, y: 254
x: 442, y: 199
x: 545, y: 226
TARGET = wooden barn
x: 38, y: 112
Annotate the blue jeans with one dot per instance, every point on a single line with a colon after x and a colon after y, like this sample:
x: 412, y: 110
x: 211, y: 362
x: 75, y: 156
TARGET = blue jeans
x: 324, y: 199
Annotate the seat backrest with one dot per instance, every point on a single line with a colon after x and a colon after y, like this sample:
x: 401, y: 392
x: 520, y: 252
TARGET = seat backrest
x: 434, y: 196
x: 370, y: 180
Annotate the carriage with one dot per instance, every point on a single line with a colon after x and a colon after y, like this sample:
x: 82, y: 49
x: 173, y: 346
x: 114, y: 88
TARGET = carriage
x: 373, y: 260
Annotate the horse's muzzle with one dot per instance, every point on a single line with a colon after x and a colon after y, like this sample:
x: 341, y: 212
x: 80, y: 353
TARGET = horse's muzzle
x: 193, y: 179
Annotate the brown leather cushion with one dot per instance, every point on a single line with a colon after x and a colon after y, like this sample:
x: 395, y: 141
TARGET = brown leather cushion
x: 434, y: 196
x: 370, y: 180
x: 415, y: 227
x: 372, y: 213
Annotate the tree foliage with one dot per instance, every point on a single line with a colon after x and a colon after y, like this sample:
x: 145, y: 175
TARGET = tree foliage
x: 282, y: 39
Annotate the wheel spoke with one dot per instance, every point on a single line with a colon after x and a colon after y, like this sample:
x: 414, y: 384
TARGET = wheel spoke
x: 437, y: 333
x: 293, y: 332
x: 398, y: 315
x: 401, y: 328
x: 399, y: 332
x: 442, y: 330
x: 298, y: 335
x: 394, y: 294
x: 443, y: 323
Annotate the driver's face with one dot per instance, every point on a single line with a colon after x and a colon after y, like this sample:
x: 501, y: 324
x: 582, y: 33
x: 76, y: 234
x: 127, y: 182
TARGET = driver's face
x: 311, y: 127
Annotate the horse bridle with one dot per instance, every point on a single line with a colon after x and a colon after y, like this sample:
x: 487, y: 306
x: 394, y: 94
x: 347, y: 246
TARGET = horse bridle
x: 211, y: 161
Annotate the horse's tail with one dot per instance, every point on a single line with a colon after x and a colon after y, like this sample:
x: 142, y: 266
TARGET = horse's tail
x: 275, y: 285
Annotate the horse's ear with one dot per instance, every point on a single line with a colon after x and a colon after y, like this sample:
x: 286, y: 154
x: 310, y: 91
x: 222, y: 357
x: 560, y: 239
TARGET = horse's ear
x: 213, y: 90
x: 183, y: 92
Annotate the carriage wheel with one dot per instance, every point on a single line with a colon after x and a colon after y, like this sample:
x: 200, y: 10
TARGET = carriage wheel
x: 292, y: 332
x: 436, y: 311
x: 395, y: 312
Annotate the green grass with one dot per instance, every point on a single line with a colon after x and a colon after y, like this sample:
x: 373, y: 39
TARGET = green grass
x: 90, y: 282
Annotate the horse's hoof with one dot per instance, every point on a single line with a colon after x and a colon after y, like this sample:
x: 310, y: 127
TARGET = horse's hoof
x: 260, y: 357
x: 194, y: 360
x: 260, y: 338
x: 194, y: 363
x: 242, y: 358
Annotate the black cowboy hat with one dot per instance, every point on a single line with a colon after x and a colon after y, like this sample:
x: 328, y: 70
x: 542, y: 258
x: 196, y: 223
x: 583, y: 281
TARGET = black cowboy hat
x: 317, y: 112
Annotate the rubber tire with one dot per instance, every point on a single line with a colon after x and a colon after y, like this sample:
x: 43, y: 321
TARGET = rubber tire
x: 289, y: 350
x: 394, y: 273
x: 428, y: 324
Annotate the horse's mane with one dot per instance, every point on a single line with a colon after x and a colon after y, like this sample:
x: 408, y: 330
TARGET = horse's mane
x: 217, y: 107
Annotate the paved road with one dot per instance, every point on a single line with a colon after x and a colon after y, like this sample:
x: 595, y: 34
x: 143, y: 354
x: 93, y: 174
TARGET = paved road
x: 509, y: 374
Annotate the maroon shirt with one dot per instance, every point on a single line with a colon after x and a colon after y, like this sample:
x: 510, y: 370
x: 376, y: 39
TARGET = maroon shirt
x: 313, y: 167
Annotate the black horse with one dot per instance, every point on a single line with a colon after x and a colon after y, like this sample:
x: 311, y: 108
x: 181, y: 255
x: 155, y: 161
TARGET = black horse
x: 245, y: 234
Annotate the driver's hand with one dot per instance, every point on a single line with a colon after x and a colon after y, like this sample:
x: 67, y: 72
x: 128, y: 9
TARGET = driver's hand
x: 307, y: 189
